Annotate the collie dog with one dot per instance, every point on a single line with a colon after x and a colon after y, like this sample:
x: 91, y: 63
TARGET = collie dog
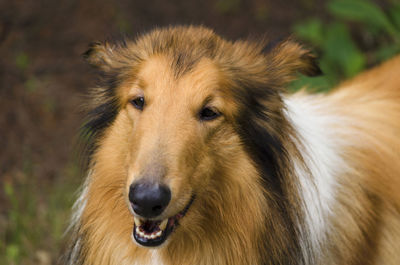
x: 199, y: 156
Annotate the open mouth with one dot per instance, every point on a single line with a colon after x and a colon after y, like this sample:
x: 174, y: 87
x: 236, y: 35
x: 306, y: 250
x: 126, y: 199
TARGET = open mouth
x: 152, y: 233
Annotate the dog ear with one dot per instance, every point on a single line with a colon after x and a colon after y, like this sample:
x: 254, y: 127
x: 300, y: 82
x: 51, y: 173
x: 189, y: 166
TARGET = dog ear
x: 100, y: 55
x: 288, y: 58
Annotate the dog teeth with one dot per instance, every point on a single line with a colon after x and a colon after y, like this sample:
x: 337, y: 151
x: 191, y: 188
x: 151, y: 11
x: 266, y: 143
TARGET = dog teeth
x: 163, y: 224
x: 147, y: 236
x: 137, y: 221
x: 140, y: 232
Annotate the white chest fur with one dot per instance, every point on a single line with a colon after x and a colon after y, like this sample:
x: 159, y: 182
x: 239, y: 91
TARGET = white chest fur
x: 317, y: 127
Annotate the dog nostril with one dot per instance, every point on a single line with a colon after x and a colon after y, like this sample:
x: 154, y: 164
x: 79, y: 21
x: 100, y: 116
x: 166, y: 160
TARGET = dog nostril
x: 149, y: 199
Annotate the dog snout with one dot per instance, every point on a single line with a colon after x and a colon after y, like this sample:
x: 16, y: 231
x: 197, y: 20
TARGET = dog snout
x: 149, y: 200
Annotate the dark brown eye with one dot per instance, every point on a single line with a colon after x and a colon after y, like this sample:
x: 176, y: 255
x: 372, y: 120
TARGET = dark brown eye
x: 207, y: 114
x: 138, y: 103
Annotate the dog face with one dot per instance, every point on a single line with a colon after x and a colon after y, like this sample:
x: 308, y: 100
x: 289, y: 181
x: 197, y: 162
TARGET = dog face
x: 176, y: 114
x: 176, y: 125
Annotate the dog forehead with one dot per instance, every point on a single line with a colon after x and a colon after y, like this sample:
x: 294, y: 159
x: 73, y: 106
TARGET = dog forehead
x: 158, y: 77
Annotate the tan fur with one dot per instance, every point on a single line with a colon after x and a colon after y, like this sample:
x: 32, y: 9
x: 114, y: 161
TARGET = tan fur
x: 238, y: 217
x: 368, y: 215
x: 166, y: 142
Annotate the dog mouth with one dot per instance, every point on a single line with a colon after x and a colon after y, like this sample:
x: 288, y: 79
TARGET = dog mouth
x: 153, y: 233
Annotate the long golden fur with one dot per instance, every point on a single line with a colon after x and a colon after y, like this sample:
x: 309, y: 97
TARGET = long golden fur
x: 271, y: 185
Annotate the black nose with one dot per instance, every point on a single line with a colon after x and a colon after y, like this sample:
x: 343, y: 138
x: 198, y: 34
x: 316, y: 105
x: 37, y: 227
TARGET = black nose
x: 149, y: 199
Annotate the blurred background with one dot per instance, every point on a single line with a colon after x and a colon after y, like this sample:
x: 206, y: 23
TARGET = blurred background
x: 43, y: 83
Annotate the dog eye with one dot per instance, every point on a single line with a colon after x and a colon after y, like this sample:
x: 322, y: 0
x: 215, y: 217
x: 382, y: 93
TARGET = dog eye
x: 138, y: 103
x: 207, y: 114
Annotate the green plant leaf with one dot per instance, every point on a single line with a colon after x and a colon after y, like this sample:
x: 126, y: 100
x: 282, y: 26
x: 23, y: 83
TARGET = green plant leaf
x: 394, y: 13
x: 311, y: 30
x: 362, y: 11
x: 316, y: 84
x: 341, y: 51
x: 386, y: 52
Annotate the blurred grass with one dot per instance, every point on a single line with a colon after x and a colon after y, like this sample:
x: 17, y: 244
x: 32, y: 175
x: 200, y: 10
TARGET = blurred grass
x: 37, y: 216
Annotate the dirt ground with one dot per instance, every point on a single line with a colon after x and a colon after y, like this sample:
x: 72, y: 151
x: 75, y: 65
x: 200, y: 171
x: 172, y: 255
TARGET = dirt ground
x: 43, y: 80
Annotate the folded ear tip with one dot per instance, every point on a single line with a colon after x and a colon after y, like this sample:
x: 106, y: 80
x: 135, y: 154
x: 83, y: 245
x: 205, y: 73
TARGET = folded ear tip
x: 92, y: 48
x: 87, y: 53
x: 98, y: 56
x: 312, y: 68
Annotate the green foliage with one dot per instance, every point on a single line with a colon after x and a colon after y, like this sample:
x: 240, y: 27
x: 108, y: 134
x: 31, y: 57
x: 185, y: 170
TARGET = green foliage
x: 12, y: 253
x: 37, y: 216
x: 342, y: 54
x: 395, y: 14
x: 362, y: 11
x: 22, y: 61
x: 341, y: 50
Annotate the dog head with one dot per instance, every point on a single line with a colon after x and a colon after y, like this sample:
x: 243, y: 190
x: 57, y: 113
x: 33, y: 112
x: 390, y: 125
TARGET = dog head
x: 181, y: 119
